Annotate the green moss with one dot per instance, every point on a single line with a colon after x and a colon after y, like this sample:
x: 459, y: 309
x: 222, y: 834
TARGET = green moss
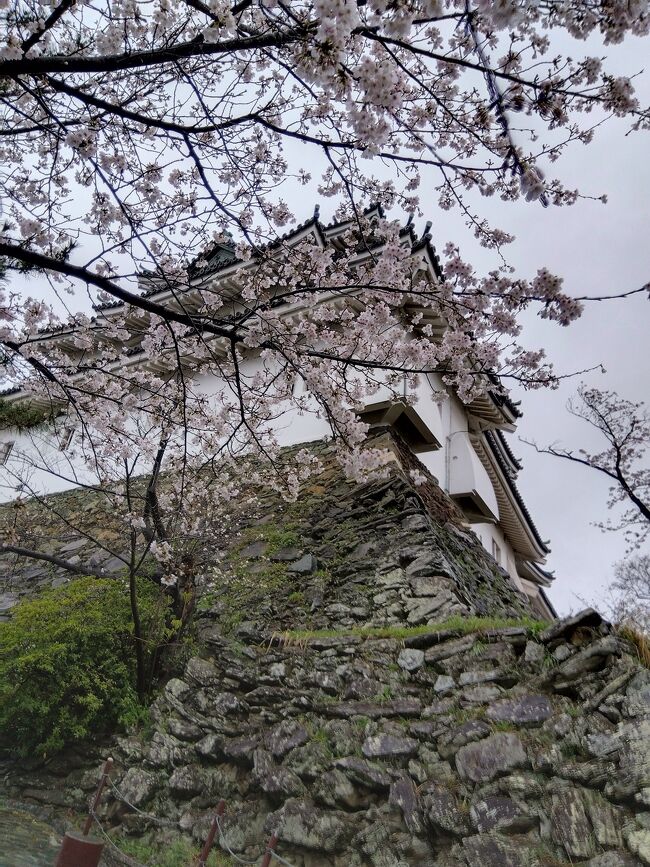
x: 276, y: 538
x: 457, y: 624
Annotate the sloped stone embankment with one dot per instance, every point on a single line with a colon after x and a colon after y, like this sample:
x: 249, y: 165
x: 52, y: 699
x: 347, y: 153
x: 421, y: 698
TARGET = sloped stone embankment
x: 500, y: 747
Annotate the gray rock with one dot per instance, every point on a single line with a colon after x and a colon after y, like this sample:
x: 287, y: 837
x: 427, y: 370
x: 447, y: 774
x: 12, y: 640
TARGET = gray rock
x: 422, y: 609
x: 410, y: 659
x: 605, y: 819
x: 184, y: 729
x: 449, y: 649
x: 495, y: 813
x: 388, y: 746
x: 310, y: 761
x: 444, y: 683
x: 334, y: 789
x: 285, y: 737
x: 398, y: 707
x: 277, y: 782
x: 637, y: 695
x: 587, y: 618
x: 164, y: 751
x: 534, y: 653
x: 570, y: 826
x: 472, y: 730
x: 529, y: 710
x: 187, y: 781
x: 366, y: 773
x: 639, y: 843
x: 305, y: 566
x: 489, y: 851
x: 202, y: 672
x: 613, y: 859
x: 441, y: 809
x: 374, y: 843
x: 137, y: 786
x: 210, y: 747
x: 468, y: 678
x: 481, y: 694
x: 286, y: 555
x: 404, y: 796
x: 254, y: 550
x: 8, y: 601
x: 301, y: 823
x: 592, y: 658
x: 490, y: 758
x: 240, y: 750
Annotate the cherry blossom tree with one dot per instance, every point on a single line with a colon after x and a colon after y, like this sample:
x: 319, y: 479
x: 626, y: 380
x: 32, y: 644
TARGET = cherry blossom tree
x: 139, y: 139
x: 630, y: 589
x: 624, y: 428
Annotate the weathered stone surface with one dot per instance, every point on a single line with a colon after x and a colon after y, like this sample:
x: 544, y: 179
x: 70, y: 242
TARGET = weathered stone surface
x: 366, y: 773
x: 240, y: 750
x: 587, y: 618
x: 592, y: 658
x: 285, y: 737
x: 472, y: 730
x: 404, y: 796
x: 491, y: 757
x: 442, y: 811
x: 449, y: 649
x: 639, y: 843
x: 305, y: 566
x: 488, y: 851
x: 187, y: 781
x: 277, y: 782
x: 137, y: 786
x: 614, y: 859
x: 495, y: 813
x: 410, y: 659
x: 605, y: 819
x: 570, y: 826
x: 374, y: 843
x: 444, y: 683
x: 202, y: 672
x: 399, y: 707
x: 637, y: 695
x: 300, y: 822
x: 183, y: 729
x: 388, y: 746
x: 481, y: 694
x: 529, y: 710
x: 334, y: 789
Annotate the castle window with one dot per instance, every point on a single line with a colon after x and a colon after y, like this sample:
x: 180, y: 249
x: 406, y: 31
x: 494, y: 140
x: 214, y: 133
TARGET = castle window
x: 496, y: 551
x: 5, y: 450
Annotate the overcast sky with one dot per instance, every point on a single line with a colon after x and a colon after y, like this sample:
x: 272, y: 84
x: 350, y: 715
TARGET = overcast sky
x: 598, y: 249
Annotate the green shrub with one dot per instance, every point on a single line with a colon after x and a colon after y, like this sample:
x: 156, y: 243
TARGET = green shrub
x: 67, y: 663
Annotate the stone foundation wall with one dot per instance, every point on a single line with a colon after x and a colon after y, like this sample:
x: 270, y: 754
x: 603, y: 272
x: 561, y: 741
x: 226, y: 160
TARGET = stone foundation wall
x: 503, y: 747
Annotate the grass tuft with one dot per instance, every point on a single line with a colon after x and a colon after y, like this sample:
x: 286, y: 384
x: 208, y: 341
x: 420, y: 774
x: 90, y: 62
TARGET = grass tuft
x: 457, y: 624
x: 639, y: 640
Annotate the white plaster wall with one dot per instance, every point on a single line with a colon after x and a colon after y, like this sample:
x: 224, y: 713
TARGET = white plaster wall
x: 455, y: 465
x: 37, y: 462
x: 489, y: 532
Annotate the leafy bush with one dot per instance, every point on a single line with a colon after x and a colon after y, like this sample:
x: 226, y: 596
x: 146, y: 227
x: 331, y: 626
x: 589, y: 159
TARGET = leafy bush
x: 67, y: 663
